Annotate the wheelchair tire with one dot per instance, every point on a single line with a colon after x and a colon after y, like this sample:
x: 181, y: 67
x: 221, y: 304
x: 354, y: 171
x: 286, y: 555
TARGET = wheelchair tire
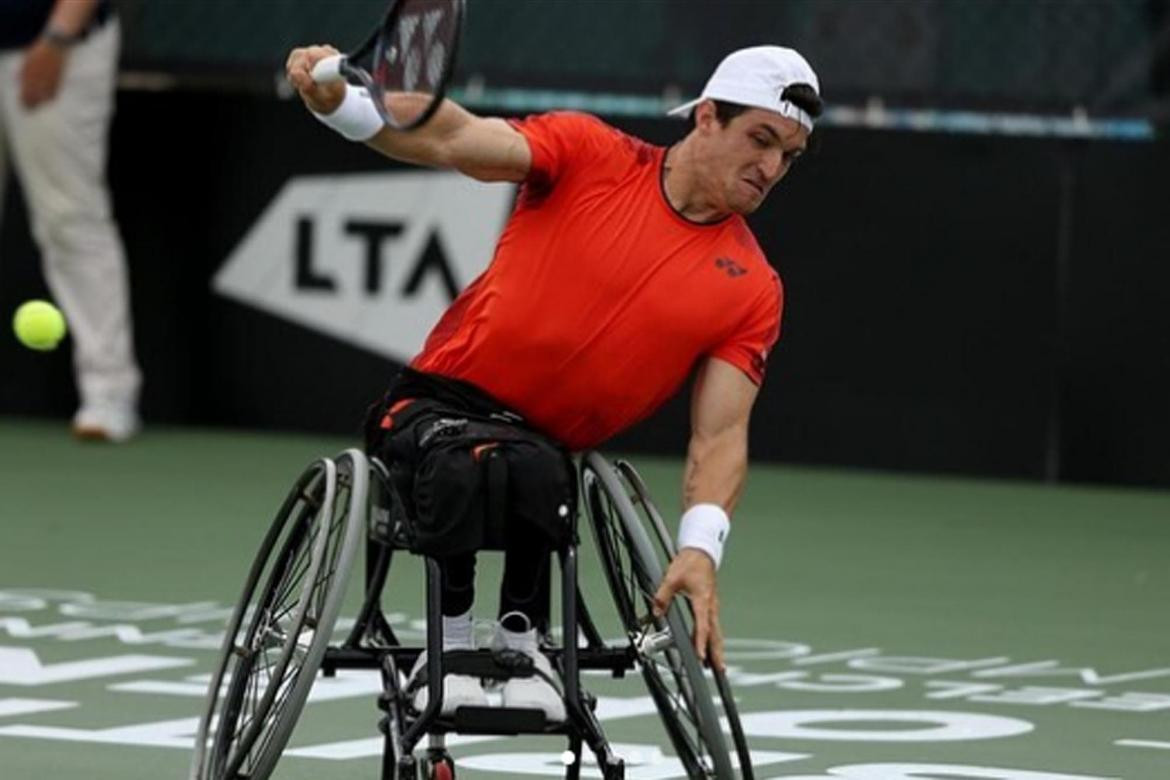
x: 650, y: 513
x: 282, y: 623
x: 673, y: 673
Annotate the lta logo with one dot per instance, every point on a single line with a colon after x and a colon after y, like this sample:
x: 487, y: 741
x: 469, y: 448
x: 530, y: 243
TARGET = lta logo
x: 371, y: 259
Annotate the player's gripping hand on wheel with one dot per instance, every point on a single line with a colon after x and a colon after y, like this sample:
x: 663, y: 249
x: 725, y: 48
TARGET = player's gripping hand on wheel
x: 323, y: 98
x: 693, y: 572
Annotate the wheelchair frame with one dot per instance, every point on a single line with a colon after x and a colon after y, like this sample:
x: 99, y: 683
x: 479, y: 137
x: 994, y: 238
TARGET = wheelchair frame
x: 309, y: 551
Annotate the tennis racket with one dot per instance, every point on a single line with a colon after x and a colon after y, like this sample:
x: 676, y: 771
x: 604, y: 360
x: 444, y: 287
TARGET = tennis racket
x: 406, y: 62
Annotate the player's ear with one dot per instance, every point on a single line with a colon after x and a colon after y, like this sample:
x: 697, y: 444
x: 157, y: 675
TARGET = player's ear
x: 705, y: 118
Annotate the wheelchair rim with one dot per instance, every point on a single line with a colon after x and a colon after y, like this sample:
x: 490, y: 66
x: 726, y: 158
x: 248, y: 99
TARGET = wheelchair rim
x: 235, y: 736
x: 284, y: 525
x: 342, y: 538
x: 633, y: 571
x: 641, y: 496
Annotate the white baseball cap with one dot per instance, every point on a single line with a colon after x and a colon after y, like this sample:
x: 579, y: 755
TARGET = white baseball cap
x: 757, y: 77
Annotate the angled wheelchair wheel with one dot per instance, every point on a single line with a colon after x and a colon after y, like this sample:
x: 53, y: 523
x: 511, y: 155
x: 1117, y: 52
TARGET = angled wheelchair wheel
x: 281, y: 626
x: 635, y: 548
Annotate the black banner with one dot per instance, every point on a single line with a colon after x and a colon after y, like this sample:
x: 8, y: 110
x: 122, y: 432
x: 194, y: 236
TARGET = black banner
x: 954, y: 304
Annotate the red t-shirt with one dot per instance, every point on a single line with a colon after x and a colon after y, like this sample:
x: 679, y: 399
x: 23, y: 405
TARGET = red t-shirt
x: 600, y: 297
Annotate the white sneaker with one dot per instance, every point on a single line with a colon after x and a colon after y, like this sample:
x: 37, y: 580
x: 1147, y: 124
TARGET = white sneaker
x: 536, y: 692
x: 106, y: 422
x: 458, y: 690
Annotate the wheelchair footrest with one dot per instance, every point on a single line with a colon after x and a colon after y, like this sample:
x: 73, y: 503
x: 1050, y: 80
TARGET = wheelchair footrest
x: 486, y: 664
x: 499, y: 720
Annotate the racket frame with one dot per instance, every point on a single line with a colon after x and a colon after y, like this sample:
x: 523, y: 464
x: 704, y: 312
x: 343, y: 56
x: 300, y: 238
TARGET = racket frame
x: 351, y: 71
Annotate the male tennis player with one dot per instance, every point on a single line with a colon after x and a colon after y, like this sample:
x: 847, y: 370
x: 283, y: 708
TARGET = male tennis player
x: 623, y: 268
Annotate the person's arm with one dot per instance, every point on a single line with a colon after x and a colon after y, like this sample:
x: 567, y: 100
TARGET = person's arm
x: 717, y: 456
x: 721, y: 405
x: 70, y: 17
x: 487, y: 149
x: 44, y: 60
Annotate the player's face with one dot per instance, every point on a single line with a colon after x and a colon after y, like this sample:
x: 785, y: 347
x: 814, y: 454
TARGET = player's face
x: 749, y: 155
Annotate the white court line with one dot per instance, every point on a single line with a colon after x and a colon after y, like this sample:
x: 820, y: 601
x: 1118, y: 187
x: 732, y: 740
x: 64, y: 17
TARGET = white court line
x: 372, y: 747
x: 10, y: 707
x: 1146, y: 743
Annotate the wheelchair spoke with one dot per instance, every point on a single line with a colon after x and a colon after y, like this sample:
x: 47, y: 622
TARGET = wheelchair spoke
x: 651, y: 645
x: 268, y: 730
x: 288, y: 586
x: 267, y: 635
x: 286, y: 688
x: 259, y: 681
x: 247, y: 702
x: 247, y: 709
x: 296, y: 572
x: 257, y: 684
x: 677, y: 696
x: 333, y: 546
x: 681, y: 695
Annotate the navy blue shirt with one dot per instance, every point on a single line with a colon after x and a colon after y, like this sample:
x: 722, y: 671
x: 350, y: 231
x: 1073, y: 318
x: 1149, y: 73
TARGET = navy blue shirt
x: 21, y: 21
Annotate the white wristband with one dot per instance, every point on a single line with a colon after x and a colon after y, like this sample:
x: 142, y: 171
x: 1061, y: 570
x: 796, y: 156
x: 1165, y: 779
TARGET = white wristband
x: 704, y: 527
x: 356, y: 118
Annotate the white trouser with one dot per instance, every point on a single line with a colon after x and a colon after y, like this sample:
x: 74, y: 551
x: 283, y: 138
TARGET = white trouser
x: 58, y: 150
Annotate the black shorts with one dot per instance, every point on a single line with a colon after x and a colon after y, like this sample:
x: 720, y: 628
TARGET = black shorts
x: 467, y: 472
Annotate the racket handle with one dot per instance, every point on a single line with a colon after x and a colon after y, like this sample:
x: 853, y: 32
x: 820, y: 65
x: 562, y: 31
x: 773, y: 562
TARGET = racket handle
x: 328, y: 70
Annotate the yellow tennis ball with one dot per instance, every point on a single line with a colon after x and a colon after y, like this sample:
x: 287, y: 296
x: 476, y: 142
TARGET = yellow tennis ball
x: 39, y: 325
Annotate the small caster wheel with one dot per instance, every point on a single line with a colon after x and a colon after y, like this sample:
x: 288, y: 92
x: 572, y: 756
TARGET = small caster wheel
x: 439, y: 766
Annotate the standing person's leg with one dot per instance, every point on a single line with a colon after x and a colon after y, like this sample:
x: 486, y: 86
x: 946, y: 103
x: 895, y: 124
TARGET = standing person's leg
x: 10, y: 61
x: 59, y: 150
x: 8, y: 86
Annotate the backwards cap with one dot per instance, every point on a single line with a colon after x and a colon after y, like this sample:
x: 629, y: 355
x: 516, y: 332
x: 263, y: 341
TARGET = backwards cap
x: 757, y: 77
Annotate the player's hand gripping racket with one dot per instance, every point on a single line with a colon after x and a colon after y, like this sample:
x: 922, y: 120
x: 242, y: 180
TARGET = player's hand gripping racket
x: 406, y: 62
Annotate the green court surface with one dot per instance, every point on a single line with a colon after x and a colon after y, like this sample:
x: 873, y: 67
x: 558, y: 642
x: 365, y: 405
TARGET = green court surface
x: 880, y: 626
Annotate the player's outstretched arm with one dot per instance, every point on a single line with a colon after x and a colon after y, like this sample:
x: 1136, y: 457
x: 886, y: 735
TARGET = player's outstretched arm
x: 487, y: 149
x: 717, y: 455
x: 716, y: 467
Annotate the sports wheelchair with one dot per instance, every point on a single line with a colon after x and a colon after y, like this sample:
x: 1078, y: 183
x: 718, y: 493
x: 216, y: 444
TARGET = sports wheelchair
x: 280, y: 633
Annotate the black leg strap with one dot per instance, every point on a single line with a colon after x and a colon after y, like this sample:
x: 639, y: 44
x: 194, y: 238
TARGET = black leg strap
x: 496, y: 532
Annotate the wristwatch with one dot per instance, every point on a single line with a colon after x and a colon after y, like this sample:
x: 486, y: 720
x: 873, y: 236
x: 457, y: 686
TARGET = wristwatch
x: 55, y: 36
